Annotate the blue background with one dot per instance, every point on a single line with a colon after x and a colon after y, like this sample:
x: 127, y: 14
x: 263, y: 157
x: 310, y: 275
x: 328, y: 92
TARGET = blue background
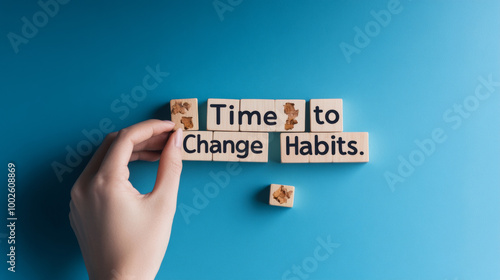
x: 441, y: 222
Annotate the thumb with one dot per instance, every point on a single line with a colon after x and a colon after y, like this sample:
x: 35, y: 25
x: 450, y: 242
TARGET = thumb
x: 169, y: 170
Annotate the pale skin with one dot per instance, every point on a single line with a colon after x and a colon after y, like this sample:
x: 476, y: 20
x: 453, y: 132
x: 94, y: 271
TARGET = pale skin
x: 124, y: 234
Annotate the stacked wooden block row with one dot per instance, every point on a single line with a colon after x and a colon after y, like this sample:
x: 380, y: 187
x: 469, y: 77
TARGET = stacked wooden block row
x: 237, y: 130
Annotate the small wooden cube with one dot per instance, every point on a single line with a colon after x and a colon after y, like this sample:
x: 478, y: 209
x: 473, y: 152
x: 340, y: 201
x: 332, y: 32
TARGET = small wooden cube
x: 291, y: 115
x: 196, y: 145
x: 254, y: 114
x: 281, y: 195
x: 292, y: 150
x: 359, y: 140
x: 184, y: 113
x: 222, y: 114
x: 326, y: 115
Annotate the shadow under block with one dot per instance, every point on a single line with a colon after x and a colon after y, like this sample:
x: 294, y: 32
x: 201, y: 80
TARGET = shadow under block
x: 219, y: 113
x: 196, y: 145
x: 291, y: 115
x: 326, y: 115
x: 281, y: 195
x: 184, y: 113
x: 240, y: 146
x: 324, y: 147
x: 257, y: 115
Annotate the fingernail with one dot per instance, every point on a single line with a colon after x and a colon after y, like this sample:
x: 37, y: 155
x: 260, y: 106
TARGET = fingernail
x: 169, y: 122
x: 178, y: 138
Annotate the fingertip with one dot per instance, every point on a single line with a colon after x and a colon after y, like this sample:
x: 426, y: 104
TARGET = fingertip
x: 169, y: 122
x: 170, y: 167
x: 179, y: 135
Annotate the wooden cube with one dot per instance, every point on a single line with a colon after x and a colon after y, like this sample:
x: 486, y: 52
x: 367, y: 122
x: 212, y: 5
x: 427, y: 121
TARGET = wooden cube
x: 184, y: 113
x: 196, y: 145
x: 226, y: 151
x: 262, y: 138
x: 240, y: 146
x: 326, y: 115
x: 281, y: 195
x: 292, y: 148
x: 291, y: 115
x: 222, y: 114
x: 255, y: 113
x: 322, y: 147
x: 357, y: 140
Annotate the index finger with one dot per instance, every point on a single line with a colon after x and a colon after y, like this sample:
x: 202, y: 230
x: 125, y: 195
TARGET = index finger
x: 116, y: 160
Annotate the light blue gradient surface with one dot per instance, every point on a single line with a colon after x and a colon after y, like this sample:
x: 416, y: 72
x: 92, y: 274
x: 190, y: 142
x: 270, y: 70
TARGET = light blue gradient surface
x: 442, y: 222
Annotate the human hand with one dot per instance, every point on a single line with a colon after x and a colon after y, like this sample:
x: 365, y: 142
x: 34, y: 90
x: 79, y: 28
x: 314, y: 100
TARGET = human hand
x: 121, y: 232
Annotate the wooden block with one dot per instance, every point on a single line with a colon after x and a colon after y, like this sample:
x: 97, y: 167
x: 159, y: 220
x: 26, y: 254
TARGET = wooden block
x: 253, y: 138
x: 291, y: 115
x: 184, y: 113
x: 223, y: 151
x: 196, y: 145
x: 295, y: 147
x: 281, y: 195
x: 222, y: 114
x: 257, y: 115
x: 355, y: 148
x: 326, y: 115
x: 321, y: 143
x: 240, y: 146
